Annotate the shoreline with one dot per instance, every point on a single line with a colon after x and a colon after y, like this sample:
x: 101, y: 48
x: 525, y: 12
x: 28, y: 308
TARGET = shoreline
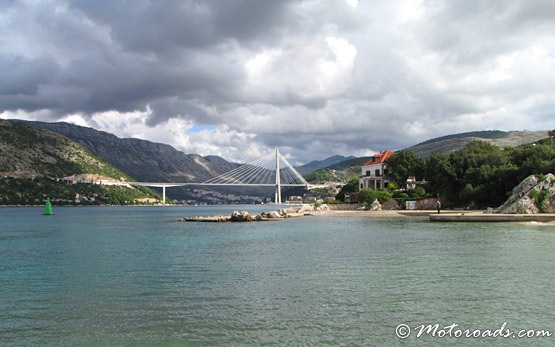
x: 451, y: 216
x: 446, y: 216
x: 367, y: 213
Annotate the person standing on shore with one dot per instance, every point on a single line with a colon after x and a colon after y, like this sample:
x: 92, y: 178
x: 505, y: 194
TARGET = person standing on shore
x: 438, y: 205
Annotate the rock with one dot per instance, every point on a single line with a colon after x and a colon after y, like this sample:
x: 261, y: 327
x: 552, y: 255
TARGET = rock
x: 375, y: 206
x: 271, y: 214
x: 241, y: 217
x: 526, y: 205
x: 246, y: 217
x: 391, y: 204
x: 323, y: 207
x: 526, y: 185
x: 524, y: 197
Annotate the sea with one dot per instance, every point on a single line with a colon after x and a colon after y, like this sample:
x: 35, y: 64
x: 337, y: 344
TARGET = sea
x: 137, y: 276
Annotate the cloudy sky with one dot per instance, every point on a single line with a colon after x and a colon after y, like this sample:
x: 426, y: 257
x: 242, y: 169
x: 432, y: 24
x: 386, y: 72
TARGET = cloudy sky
x: 238, y: 78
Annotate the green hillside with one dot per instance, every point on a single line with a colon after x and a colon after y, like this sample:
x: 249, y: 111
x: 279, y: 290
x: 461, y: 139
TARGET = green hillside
x: 29, y: 151
x: 484, y: 134
x: 34, y: 161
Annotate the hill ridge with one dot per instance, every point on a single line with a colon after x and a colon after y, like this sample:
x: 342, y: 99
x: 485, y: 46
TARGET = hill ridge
x: 144, y: 160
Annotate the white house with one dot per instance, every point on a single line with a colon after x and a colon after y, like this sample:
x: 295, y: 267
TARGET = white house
x: 373, y: 171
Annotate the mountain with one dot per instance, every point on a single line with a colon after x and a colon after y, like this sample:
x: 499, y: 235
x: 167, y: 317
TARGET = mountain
x: 36, y: 164
x: 143, y: 160
x: 321, y: 164
x: 451, y: 143
x: 350, y: 168
x: 27, y: 151
x: 349, y: 163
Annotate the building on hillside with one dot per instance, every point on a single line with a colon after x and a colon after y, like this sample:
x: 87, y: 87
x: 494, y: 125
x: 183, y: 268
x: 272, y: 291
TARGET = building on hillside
x: 373, y: 171
x: 294, y: 200
x: 351, y: 198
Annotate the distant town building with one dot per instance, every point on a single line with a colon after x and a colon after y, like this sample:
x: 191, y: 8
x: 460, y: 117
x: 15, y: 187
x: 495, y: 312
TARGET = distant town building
x: 373, y: 171
x: 351, y: 198
x: 294, y: 200
x: 411, y: 183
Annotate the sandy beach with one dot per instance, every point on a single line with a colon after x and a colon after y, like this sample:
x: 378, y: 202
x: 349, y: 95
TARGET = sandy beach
x: 351, y: 210
x: 365, y: 213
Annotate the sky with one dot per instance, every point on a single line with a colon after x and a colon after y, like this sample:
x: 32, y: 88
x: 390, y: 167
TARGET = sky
x: 315, y: 78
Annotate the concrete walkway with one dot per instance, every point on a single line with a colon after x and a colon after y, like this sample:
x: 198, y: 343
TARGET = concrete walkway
x: 492, y: 217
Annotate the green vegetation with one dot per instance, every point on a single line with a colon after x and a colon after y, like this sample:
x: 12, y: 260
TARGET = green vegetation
x: 24, y: 191
x: 320, y: 176
x: 406, y: 164
x: 485, y: 134
x: 48, y: 154
x: 370, y: 195
x: 327, y: 175
x: 32, y: 160
x: 350, y: 187
x: 481, y: 173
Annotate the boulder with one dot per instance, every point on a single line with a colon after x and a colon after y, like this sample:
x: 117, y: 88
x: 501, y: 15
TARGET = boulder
x: 375, y: 206
x: 526, y: 205
x: 525, y: 196
x: 241, y: 217
x: 323, y: 207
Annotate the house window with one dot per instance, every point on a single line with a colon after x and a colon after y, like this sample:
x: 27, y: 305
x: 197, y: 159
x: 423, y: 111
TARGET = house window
x: 368, y: 173
x: 378, y: 172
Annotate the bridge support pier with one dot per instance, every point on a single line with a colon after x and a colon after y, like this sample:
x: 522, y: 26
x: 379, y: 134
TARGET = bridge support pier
x: 163, y: 195
x: 277, y: 198
x: 278, y: 180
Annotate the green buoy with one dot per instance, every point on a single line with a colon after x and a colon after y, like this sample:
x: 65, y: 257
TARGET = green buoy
x: 47, y: 208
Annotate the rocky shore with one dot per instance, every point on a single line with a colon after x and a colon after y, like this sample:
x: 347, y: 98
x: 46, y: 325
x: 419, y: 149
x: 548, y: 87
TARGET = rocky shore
x: 535, y: 194
x: 245, y: 216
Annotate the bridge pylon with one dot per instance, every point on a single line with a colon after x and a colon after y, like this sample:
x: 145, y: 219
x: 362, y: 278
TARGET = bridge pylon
x: 277, y: 199
x: 272, y: 170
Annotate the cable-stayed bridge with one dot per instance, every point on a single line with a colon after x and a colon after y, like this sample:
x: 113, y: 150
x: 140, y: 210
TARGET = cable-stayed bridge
x: 272, y: 170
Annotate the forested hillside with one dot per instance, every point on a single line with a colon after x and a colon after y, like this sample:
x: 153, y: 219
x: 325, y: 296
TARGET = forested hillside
x: 34, y: 163
x: 478, y: 175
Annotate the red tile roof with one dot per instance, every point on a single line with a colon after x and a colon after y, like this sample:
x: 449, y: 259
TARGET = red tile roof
x: 379, y: 158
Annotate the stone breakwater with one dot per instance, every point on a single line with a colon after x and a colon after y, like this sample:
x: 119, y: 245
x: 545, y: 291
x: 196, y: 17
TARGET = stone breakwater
x: 245, y: 216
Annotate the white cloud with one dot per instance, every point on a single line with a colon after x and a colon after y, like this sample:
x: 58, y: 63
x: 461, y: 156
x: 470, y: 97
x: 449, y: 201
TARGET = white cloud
x: 237, y: 79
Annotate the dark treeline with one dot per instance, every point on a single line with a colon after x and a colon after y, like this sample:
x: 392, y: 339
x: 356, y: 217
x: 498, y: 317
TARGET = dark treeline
x: 27, y: 191
x: 480, y: 174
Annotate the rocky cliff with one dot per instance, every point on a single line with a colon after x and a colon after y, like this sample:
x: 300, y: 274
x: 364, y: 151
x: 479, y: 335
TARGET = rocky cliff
x: 534, y: 194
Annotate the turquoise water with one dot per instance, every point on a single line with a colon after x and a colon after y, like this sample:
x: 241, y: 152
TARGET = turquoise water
x: 134, y: 276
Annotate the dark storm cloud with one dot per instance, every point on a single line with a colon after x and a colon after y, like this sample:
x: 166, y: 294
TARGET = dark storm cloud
x: 150, y: 50
x: 314, y: 77
x: 23, y: 76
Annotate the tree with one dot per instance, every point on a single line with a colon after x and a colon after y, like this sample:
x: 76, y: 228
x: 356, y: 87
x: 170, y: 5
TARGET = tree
x: 551, y: 134
x: 532, y: 159
x: 440, y: 174
x: 403, y: 165
x: 350, y: 187
x: 368, y: 195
